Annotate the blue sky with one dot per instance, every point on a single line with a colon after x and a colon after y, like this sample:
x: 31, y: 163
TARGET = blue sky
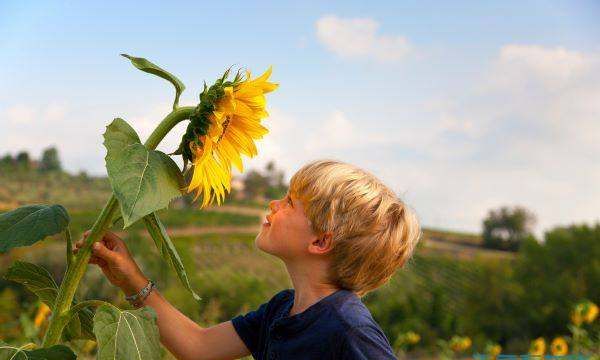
x: 458, y: 106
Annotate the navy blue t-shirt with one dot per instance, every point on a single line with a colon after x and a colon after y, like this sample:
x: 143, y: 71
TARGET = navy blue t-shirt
x: 338, y: 326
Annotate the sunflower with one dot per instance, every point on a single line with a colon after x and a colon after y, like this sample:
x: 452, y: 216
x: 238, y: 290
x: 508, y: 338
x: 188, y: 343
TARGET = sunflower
x: 591, y: 313
x: 585, y: 311
x: 460, y: 343
x: 538, y: 347
x: 41, y: 315
x: 559, y: 347
x: 494, y: 350
x: 223, y: 127
x: 412, y: 337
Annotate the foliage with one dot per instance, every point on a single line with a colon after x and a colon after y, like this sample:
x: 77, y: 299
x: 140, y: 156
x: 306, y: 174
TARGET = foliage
x: 50, y: 160
x: 126, y: 334
x: 29, y: 224
x: 565, y: 268
x: 506, y: 228
x: 56, y: 352
x: 143, y: 180
x: 268, y: 184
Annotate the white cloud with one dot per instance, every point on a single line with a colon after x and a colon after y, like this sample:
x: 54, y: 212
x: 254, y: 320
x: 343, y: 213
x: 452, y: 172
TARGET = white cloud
x: 550, y: 68
x: 530, y: 135
x: 19, y: 114
x: 359, y: 38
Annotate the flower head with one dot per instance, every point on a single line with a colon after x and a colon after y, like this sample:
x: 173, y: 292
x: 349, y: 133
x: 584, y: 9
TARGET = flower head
x: 585, y: 311
x: 41, y: 315
x: 538, y: 347
x: 559, y: 347
x: 460, y: 343
x: 493, y: 350
x: 222, y: 128
x: 412, y: 337
x: 591, y: 313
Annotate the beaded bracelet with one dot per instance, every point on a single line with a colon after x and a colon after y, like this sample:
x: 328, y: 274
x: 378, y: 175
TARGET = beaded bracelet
x: 137, y: 299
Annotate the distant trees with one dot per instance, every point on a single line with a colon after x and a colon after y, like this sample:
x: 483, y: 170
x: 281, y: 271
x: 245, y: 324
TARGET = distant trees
x: 266, y: 185
x: 22, y: 161
x: 49, y: 161
x: 507, y: 227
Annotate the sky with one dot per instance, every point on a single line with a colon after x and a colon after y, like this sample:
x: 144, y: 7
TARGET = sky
x: 460, y: 107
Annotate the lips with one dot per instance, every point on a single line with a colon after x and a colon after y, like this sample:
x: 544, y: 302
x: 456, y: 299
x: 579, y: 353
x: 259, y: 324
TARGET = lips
x: 267, y: 221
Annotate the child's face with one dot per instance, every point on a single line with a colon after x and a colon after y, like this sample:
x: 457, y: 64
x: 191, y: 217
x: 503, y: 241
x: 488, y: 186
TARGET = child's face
x: 286, y: 232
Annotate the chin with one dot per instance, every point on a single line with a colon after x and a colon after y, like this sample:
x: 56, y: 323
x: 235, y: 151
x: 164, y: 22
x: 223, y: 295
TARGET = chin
x: 260, y: 242
x: 263, y: 242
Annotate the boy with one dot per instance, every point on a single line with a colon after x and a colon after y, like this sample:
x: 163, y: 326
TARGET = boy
x: 340, y: 232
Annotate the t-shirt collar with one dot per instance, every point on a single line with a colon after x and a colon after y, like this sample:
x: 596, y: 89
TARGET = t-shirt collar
x: 297, y: 322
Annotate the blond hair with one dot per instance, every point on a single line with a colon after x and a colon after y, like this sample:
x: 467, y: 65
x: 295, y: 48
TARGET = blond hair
x: 373, y: 231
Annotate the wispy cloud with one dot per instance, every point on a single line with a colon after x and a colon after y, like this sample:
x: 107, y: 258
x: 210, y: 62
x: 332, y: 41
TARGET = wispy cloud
x: 360, y: 38
x: 529, y: 136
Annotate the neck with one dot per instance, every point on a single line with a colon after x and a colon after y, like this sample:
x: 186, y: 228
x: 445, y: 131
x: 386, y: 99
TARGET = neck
x: 310, y: 285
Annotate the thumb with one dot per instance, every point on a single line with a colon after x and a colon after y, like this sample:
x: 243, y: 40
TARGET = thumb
x: 101, y: 251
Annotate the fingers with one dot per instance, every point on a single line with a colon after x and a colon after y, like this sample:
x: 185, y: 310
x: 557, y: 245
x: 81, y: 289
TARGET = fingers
x: 98, y: 261
x: 102, y: 252
x: 110, y: 240
x: 113, y: 242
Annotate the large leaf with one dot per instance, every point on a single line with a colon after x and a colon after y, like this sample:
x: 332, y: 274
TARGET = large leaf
x: 56, y: 352
x: 29, y: 224
x: 154, y: 69
x: 39, y: 281
x: 126, y: 334
x: 167, y: 249
x: 36, y: 279
x: 143, y: 181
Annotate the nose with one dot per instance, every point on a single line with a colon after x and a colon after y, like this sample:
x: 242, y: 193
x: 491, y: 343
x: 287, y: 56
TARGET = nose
x: 273, y: 205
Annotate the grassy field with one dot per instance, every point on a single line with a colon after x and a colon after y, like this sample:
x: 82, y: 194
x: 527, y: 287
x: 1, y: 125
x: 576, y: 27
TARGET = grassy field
x: 229, y: 273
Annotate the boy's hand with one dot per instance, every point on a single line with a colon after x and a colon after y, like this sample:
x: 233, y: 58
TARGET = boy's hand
x: 113, y: 257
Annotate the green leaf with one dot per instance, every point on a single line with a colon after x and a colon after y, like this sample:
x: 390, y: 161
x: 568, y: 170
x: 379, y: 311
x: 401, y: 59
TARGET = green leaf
x: 154, y: 69
x: 143, y: 181
x: 167, y: 249
x: 56, y: 352
x: 126, y: 334
x: 29, y: 224
x: 36, y: 279
x: 39, y: 281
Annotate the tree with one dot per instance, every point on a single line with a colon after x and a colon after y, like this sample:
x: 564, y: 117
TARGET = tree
x: 23, y: 161
x: 268, y: 184
x: 7, y: 162
x: 556, y: 274
x: 50, y: 160
x: 255, y: 184
x: 506, y: 228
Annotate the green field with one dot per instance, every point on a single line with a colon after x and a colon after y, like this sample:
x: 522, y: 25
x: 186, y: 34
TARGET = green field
x: 452, y: 286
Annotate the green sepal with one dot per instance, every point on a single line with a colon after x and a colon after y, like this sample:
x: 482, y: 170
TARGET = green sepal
x: 154, y: 69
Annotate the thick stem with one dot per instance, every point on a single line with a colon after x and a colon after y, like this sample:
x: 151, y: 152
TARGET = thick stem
x: 77, y: 268
x: 69, y: 247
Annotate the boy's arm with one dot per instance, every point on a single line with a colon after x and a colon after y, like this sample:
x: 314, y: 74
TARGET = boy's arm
x: 178, y: 333
x: 188, y: 341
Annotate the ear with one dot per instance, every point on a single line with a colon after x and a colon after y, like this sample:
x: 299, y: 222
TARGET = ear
x: 322, y: 244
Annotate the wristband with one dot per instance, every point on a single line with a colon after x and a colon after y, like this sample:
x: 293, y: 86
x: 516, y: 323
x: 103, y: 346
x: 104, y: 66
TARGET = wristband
x: 137, y: 299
